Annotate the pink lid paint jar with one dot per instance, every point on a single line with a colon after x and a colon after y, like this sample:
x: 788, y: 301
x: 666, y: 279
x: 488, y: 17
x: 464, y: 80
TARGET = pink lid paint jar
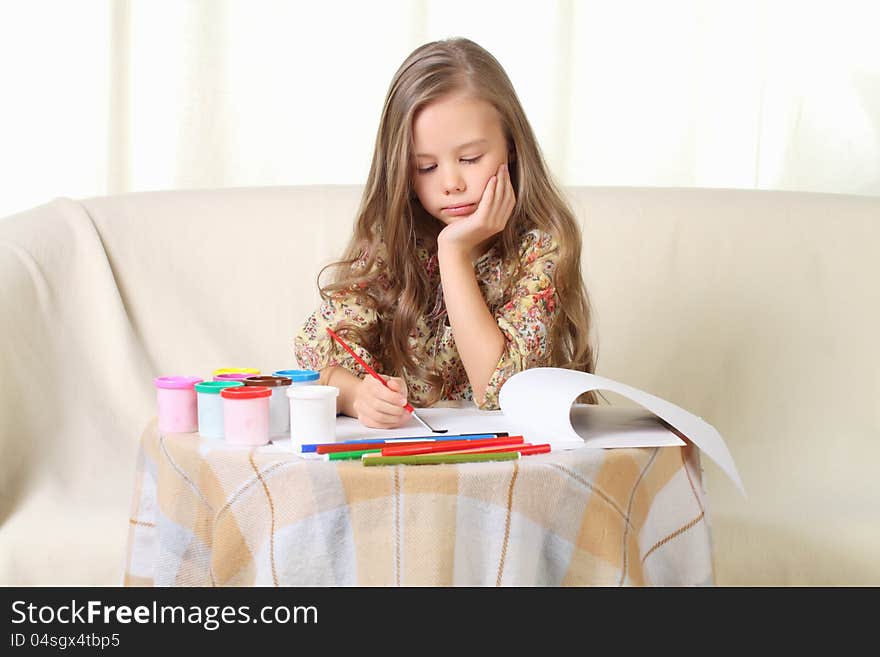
x: 246, y: 415
x: 233, y: 376
x: 176, y: 401
x: 279, y: 407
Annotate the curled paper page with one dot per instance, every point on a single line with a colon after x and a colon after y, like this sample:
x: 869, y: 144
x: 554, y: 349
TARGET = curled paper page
x: 541, y: 399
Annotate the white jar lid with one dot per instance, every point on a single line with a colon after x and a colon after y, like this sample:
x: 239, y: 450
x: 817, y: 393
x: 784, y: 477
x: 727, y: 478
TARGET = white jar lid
x: 313, y: 392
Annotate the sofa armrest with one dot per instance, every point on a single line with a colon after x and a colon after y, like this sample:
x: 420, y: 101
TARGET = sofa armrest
x: 68, y: 423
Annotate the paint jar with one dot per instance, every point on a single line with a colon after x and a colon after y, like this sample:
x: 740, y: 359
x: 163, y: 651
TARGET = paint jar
x: 211, y: 406
x: 300, y: 377
x: 312, y: 414
x: 279, y: 406
x: 233, y: 376
x: 246, y: 415
x: 234, y: 373
x: 176, y: 401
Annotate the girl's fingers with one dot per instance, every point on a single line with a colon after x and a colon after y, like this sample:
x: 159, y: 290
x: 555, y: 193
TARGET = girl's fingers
x: 377, y: 418
x: 489, y: 193
x: 510, y: 195
x: 383, y: 407
x: 384, y: 401
x: 490, y: 196
x: 393, y: 397
x: 504, y: 193
x: 497, y: 193
x: 505, y: 189
x: 398, y: 385
x: 495, y: 215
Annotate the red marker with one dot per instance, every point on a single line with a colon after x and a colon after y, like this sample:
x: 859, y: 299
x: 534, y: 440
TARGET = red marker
x: 526, y: 449
x: 450, y: 446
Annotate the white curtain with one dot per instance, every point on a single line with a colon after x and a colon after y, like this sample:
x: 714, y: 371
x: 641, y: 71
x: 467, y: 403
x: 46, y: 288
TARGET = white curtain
x: 110, y: 96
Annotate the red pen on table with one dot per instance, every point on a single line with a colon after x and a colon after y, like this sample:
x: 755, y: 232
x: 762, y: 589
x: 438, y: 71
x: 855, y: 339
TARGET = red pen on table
x: 526, y: 449
x: 383, y: 381
x: 450, y: 446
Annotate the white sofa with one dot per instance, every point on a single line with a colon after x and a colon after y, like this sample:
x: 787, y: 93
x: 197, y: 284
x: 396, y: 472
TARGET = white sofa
x: 759, y: 311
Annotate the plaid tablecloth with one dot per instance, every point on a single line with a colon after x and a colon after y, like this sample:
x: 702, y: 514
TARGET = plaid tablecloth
x: 209, y: 514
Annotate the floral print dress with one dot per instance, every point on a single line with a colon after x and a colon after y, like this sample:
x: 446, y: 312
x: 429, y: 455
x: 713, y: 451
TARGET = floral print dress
x: 524, y: 312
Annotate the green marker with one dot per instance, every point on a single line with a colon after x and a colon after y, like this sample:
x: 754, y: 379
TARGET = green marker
x: 431, y: 459
x: 346, y: 456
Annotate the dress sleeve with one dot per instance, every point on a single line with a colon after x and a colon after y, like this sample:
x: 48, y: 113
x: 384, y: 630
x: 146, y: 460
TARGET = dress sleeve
x: 527, y: 316
x: 315, y: 349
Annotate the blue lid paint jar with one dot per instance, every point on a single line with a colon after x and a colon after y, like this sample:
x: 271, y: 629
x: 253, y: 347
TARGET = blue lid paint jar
x: 300, y: 377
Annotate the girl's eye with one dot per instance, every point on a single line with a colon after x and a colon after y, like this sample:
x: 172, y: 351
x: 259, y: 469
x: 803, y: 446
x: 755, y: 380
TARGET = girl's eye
x: 464, y: 159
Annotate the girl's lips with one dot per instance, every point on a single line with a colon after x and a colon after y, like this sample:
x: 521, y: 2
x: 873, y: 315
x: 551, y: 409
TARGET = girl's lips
x: 461, y: 209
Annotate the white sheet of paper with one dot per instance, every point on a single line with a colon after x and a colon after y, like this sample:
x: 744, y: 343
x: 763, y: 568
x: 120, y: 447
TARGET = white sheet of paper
x: 541, y: 399
x: 612, y: 426
x: 538, y: 404
x: 596, y: 426
x: 461, y: 418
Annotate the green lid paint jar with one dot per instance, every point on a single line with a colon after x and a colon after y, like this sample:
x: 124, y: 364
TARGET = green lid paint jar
x: 211, y: 407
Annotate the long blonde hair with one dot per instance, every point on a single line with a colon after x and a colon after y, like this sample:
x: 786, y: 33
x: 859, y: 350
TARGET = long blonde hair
x: 399, y: 289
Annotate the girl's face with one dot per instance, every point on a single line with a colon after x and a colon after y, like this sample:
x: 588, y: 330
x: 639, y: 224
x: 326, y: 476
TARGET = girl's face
x: 459, y: 145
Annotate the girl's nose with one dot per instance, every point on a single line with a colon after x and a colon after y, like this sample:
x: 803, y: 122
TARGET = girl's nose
x: 453, y: 183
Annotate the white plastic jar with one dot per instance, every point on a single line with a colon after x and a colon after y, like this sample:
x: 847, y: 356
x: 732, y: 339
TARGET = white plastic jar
x: 298, y: 378
x: 312, y: 414
x: 211, y: 407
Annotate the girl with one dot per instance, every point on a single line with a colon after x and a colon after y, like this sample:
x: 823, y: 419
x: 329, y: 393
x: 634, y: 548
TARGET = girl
x: 464, y: 266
